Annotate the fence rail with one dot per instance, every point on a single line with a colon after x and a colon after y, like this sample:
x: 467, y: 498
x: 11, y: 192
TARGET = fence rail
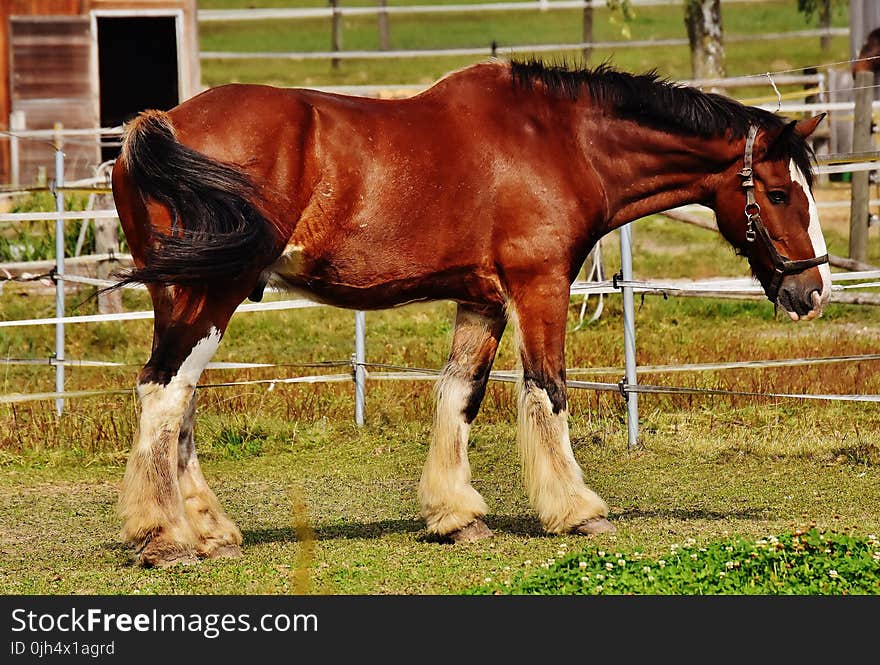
x: 627, y: 286
x: 278, y: 13
x: 495, y: 48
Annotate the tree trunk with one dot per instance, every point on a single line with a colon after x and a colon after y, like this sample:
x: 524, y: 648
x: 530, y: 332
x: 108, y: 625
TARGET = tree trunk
x: 705, y: 34
x: 825, y: 24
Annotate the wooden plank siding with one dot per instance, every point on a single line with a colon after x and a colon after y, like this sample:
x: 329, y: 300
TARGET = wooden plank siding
x: 56, y: 67
x: 51, y: 82
x: 13, y: 8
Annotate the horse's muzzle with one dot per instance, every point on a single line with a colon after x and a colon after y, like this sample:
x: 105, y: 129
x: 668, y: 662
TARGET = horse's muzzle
x: 802, y: 299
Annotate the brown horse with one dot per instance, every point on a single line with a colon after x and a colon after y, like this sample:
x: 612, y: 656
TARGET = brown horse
x: 868, y: 60
x: 489, y: 189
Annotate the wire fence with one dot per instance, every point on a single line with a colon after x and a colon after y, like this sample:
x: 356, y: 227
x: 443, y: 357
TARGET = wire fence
x: 358, y: 370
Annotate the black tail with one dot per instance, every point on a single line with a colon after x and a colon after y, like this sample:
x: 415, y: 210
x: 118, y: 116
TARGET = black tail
x: 218, y: 232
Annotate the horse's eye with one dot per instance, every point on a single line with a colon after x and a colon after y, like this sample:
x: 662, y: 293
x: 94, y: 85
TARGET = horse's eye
x: 777, y: 197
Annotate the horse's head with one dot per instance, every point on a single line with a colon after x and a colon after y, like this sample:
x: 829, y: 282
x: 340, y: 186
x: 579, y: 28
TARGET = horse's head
x: 765, y: 208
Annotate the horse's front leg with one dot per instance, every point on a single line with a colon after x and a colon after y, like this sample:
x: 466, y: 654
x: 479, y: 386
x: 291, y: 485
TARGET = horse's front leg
x: 450, y: 505
x: 553, y: 478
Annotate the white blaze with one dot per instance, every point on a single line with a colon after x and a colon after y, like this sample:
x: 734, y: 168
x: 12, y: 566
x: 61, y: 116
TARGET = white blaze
x: 191, y: 368
x: 814, y: 230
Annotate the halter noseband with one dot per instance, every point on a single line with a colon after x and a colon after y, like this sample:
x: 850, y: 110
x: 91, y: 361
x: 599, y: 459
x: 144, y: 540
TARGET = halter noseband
x: 782, y: 265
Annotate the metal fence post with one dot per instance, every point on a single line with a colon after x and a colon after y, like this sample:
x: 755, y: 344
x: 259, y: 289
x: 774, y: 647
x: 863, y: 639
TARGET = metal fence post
x: 59, y: 270
x: 629, y: 337
x: 862, y: 141
x: 360, y: 372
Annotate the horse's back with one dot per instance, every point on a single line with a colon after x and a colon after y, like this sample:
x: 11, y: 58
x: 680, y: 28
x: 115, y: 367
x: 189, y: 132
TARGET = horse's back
x: 250, y: 112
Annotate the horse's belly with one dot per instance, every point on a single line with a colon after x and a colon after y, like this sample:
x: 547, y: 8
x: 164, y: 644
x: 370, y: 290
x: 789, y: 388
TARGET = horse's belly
x: 368, y: 281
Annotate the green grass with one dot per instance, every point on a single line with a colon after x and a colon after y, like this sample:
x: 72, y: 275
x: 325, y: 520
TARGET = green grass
x: 35, y: 240
x: 508, y: 29
x: 721, y: 471
x: 807, y: 562
x: 58, y: 529
x: 711, y: 469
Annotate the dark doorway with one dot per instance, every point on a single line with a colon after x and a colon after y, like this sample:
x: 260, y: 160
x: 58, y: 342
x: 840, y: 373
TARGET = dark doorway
x: 137, y: 68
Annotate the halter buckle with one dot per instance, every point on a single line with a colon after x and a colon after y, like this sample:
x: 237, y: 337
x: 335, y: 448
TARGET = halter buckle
x: 753, y: 212
x: 746, y: 175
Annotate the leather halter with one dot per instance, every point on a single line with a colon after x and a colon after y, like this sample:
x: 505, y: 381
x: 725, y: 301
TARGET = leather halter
x: 782, y: 265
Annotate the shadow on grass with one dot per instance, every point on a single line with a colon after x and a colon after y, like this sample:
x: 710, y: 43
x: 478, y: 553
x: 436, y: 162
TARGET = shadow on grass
x: 526, y: 526
x: 338, y: 531
x: 529, y: 526
x: 520, y: 525
x: 688, y: 514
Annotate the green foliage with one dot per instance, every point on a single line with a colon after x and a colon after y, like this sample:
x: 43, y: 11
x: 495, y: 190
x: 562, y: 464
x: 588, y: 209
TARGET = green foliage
x: 35, y: 240
x: 809, y: 562
x: 809, y: 8
x: 238, y: 443
x: 621, y: 14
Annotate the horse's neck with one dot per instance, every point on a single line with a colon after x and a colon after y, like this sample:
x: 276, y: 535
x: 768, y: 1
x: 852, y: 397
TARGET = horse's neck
x: 649, y: 171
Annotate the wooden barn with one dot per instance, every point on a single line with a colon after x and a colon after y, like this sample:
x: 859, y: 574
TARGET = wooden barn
x: 88, y: 64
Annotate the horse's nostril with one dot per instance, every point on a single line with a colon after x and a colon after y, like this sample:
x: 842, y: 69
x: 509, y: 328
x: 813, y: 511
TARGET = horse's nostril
x: 785, y: 300
x: 800, y: 304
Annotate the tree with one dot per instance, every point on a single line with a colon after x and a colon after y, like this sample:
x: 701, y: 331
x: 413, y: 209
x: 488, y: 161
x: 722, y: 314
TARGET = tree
x: 705, y: 34
x: 822, y: 9
x: 618, y: 8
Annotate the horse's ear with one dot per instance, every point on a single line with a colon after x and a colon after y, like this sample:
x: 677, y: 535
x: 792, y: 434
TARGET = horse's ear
x: 776, y: 140
x: 770, y: 140
x: 807, y: 126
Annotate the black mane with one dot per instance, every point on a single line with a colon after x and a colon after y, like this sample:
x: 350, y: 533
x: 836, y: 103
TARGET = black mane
x: 662, y: 103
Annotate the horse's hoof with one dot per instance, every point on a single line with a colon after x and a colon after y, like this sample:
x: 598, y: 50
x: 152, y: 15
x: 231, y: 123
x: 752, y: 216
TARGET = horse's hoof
x: 593, y: 526
x: 160, y: 554
x: 225, y: 552
x: 476, y: 530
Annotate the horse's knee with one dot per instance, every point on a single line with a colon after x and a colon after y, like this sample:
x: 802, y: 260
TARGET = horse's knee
x: 552, y: 385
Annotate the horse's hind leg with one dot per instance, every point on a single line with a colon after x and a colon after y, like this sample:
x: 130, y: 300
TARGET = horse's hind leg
x: 553, y: 478
x: 450, y: 505
x: 187, y: 332
x: 217, y: 536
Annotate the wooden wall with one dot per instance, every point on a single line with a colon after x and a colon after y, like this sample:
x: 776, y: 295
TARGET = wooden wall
x: 25, y: 7
x: 57, y: 70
